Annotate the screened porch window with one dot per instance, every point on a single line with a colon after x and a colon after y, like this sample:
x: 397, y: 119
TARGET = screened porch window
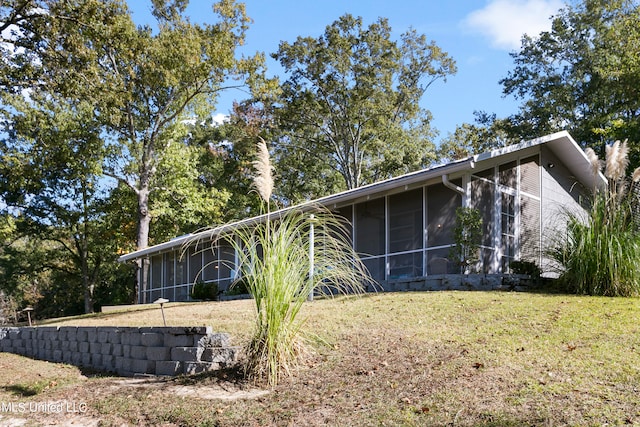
x: 156, y: 272
x: 406, y: 234
x: 370, y: 236
x: 370, y: 228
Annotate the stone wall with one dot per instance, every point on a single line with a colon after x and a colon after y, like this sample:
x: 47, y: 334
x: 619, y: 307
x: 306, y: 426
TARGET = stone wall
x: 126, y: 351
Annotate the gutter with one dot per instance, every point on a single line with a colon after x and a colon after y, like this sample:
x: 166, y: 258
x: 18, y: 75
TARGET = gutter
x: 451, y: 185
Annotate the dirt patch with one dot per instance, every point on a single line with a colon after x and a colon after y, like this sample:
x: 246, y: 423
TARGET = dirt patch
x: 221, y: 391
x: 212, y: 393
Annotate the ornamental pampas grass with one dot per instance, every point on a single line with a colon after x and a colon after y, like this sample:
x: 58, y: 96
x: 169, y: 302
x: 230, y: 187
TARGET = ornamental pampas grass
x: 263, y: 179
x: 274, y: 260
x: 617, y: 160
x: 593, y: 159
x: 599, y: 252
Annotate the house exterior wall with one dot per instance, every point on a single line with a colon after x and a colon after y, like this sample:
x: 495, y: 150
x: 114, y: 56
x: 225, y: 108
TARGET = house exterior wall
x: 562, y: 193
x: 507, y: 194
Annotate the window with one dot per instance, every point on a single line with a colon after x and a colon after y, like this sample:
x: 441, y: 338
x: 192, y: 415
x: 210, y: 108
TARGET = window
x: 156, y: 272
x: 195, y: 264
x: 482, y: 198
x: 346, y: 212
x: 508, y: 224
x: 181, y: 268
x: 405, y: 265
x: 169, y: 274
x: 375, y: 267
x: 406, y: 234
x: 226, y: 264
x: 438, y: 262
x: 210, y: 262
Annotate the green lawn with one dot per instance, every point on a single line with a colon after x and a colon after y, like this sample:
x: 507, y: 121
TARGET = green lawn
x: 433, y: 358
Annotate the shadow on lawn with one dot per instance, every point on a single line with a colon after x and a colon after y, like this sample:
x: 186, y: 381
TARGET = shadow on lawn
x: 26, y: 390
x: 232, y: 375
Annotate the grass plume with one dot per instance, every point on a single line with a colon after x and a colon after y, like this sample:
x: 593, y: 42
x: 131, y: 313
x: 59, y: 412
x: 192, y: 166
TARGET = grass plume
x: 593, y: 160
x: 263, y: 179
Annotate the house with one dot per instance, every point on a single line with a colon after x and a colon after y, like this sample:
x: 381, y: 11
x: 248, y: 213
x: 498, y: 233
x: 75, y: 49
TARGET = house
x: 403, y: 227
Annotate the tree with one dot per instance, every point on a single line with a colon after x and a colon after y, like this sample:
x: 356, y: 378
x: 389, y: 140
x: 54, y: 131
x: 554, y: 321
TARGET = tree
x: 582, y: 76
x: 50, y: 172
x: 165, y: 78
x: 22, y: 270
x: 226, y: 151
x: 141, y: 85
x: 182, y: 203
x: 350, y: 105
x: 469, y: 139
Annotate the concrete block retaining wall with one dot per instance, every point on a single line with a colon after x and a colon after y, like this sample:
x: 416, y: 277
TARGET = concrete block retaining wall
x: 462, y: 282
x: 126, y: 351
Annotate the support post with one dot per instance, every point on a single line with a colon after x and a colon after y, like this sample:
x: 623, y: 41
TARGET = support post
x: 311, y: 256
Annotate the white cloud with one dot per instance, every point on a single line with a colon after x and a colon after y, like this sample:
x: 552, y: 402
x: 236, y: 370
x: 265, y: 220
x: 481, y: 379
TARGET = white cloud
x: 220, y: 118
x: 505, y: 21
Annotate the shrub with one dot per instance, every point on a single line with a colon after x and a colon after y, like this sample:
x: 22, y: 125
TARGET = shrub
x: 205, y: 291
x: 529, y: 268
x: 468, y: 237
x: 238, y: 287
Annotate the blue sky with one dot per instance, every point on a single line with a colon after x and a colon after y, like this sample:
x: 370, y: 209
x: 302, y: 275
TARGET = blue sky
x: 478, y: 34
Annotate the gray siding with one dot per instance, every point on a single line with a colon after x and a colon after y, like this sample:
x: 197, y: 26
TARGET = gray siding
x: 561, y: 194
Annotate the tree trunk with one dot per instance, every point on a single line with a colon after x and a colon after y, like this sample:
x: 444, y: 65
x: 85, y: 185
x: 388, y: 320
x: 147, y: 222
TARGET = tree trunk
x: 87, y: 283
x: 142, y: 242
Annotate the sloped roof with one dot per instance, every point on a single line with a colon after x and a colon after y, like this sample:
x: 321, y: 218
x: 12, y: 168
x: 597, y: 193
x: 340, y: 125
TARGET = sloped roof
x: 560, y: 143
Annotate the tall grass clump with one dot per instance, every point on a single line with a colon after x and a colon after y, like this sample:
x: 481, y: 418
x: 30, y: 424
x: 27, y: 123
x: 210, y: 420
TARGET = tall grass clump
x: 600, y: 252
x: 274, y: 263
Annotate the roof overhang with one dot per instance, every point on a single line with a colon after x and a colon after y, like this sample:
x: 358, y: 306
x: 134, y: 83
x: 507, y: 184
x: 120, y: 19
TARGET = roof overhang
x: 565, y: 148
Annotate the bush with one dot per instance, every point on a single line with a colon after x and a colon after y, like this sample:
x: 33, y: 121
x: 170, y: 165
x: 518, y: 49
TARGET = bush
x: 205, y: 291
x: 529, y: 268
x: 238, y: 287
x: 599, y: 254
x: 468, y: 236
